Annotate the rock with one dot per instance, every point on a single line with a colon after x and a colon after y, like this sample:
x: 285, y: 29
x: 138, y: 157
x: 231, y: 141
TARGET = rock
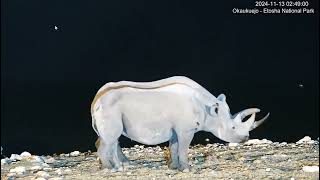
x: 55, y: 178
x: 49, y: 160
x: 5, y: 161
x: 58, y: 171
x: 45, y: 165
x: 74, y: 153
x: 233, y: 144
x: 257, y: 141
x: 18, y: 170
x: 67, y: 171
x: 306, y: 139
x: 283, y: 144
x: 37, y: 159
x: 15, y: 157
x: 42, y: 174
x: 310, y: 168
x: 25, y: 154
x: 41, y: 178
x: 268, y: 169
x: 11, y: 176
x: 36, y: 168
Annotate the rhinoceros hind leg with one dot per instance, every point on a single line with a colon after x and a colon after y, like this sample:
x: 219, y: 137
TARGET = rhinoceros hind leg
x: 110, y: 128
x: 102, y: 153
x: 173, y: 145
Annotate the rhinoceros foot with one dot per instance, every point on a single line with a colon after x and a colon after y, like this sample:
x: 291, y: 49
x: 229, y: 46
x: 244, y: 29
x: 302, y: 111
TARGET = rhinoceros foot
x: 184, y: 167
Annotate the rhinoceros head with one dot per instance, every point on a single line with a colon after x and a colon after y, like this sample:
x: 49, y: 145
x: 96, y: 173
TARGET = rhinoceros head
x: 231, y: 128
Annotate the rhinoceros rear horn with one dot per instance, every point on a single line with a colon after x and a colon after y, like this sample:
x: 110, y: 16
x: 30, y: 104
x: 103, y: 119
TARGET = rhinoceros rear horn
x: 258, y: 123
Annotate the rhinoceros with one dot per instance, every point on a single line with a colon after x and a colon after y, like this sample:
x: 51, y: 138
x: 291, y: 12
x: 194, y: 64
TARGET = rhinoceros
x: 172, y: 109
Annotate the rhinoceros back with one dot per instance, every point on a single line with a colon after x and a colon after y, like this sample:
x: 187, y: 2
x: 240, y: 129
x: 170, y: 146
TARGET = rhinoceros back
x: 207, y: 96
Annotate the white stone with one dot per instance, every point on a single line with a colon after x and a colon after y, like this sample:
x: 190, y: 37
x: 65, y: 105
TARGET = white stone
x: 36, y: 168
x: 75, y: 153
x: 265, y: 141
x: 41, y: 178
x: 45, y: 165
x: 5, y: 161
x: 268, y: 169
x: 18, y: 170
x: 49, y: 160
x: 37, y: 159
x: 233, y: 144
x: 207, y: 140
x: 311, y: 142
x: 306, y: 139
x: 42, y: 174
x: 310, y: 168
x: 67, y: 170
x: 25, y: 154
x: 15, y: 157
x: 58, y: 171
x: 56, y: 178
x: 257, y: 141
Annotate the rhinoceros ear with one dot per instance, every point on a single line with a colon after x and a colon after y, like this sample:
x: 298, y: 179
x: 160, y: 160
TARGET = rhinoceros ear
x: 222, y: 97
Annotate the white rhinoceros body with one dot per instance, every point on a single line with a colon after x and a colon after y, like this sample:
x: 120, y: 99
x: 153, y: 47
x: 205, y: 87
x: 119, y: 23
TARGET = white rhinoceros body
x: 171, y: 109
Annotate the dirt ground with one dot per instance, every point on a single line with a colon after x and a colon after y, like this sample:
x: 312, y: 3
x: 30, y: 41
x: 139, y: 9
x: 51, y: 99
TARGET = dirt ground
x: 266, y: 160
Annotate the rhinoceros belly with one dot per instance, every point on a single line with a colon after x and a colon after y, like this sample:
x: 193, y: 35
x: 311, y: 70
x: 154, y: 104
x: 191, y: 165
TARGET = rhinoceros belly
x: 148, y: 135
x: 148, y: 117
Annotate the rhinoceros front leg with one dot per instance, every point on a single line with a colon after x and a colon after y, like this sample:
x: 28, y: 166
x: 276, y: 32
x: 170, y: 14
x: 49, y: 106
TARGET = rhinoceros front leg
x: 173, y: 145
x: 184, y: 140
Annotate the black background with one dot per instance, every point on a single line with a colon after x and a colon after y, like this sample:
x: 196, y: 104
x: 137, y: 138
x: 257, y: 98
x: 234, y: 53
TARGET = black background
x: 49, y: 77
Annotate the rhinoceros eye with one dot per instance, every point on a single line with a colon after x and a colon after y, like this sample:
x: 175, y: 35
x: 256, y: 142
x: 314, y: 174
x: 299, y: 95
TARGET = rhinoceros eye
x: 233, y: 127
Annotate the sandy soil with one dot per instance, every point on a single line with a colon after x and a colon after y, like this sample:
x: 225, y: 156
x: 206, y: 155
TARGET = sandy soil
x: 259, y: 160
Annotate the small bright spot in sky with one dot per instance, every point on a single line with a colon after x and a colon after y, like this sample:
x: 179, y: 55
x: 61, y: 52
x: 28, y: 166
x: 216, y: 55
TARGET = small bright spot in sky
x: 55, y: 28
x: 300, y: 85
x: 207, y: 140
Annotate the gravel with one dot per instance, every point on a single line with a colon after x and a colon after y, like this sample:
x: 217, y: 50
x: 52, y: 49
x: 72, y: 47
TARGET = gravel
x: 255, y: 159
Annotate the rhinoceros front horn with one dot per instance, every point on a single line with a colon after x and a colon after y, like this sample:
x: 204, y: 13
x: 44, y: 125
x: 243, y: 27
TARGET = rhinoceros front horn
x: 258, y: 123
x: 250, y: 123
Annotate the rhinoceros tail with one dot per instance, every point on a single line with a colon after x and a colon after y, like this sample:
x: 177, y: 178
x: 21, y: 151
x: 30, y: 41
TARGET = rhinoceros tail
x: 94, y: 126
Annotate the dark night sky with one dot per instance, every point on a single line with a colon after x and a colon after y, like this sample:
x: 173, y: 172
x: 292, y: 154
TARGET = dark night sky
x: 49, y: 77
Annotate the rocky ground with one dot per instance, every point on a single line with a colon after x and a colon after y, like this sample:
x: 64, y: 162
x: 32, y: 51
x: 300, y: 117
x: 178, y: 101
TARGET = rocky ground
x: 255, y: 159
